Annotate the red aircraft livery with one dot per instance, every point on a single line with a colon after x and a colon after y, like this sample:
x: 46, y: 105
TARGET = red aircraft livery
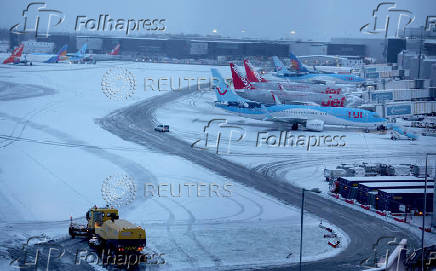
x: 15, y: 57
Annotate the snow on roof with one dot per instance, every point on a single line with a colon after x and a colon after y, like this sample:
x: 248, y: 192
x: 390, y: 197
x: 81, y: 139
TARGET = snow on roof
x: 397, y: 184
x: 383, y: 178
x: 431, y: 41
x: 226, y: 41
x: 408, y: 191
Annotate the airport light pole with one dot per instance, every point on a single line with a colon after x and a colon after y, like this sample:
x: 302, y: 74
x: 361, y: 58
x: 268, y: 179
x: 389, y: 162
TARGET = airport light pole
x: 420, y: 52
x: 313, y: 190
x: 425, y: 208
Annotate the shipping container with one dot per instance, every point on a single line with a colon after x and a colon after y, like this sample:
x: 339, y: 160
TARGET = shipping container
x: 348, y: 186
x: 365, y: 188
x: 412, y: 199
x: 378, y: 68
x: 398, y: 109
x: 380, y: 96
x: 379, y: 109
x: 422, y: 108
x: 400, y: 84
x: 372, y: 75
x: 388, y: 74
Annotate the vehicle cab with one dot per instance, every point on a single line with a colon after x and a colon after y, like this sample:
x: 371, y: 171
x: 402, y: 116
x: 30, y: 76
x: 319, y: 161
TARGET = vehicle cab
x: 97, y: 216
x: 162, y: 128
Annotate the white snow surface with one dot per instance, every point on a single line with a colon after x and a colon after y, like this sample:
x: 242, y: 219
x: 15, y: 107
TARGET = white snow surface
x: 54, y: 159
x: 300, y: 165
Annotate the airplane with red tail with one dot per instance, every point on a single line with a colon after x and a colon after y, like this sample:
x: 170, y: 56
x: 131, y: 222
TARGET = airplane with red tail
x: 249, y: 91
x: 259, y: 82
x: 115, y: 51
x: 15, y: 57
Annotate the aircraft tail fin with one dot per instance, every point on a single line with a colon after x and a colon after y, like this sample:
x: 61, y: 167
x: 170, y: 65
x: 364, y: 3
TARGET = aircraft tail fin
x: 18, y: 51
x: 239, y: 81
x: 276, y: 99
x: 116, y: 50
x: 15, y: 53
x: 296, y: 64
x: 279, y: 67
x: 52, y: 59
x: 61, y: 54
x: 223, y: 91
x: 82, y: 50
x: 252, y: 75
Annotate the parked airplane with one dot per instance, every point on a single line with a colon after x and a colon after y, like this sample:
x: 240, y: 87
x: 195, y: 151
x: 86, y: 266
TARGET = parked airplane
x: 77, y: 57
x: 246, y: 90
x: 15, y: 57
x: 311, y: 117
x: 329, y: 68
x: 115, y: 51
x: 112, y: 55
x: 60, y: 56
x: 80, y: 56
x: 280, y: 69
x: 258, y: 82
x: 303, y: 74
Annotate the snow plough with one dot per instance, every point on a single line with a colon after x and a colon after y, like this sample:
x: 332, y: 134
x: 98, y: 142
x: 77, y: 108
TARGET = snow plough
x: 105, y: 231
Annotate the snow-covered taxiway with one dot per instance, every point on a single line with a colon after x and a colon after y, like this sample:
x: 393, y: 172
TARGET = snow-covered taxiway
x: 55, y: 156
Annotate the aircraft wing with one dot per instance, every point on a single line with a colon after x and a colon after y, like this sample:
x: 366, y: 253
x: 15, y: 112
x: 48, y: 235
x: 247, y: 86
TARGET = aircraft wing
x: 286, y: 119
x: 303, y: 103
x: 270, y: 117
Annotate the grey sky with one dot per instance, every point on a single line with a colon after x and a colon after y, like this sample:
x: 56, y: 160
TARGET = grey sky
x: 310, y: 19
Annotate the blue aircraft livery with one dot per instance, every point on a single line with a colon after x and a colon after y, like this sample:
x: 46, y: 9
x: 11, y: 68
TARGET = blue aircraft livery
x: 311, y: 117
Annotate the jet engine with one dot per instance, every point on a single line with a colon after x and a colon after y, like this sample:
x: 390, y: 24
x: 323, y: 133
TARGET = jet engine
x: 315, y: 125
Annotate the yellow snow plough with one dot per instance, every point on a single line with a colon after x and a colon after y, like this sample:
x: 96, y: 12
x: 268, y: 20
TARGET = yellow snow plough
x: 105, y: 231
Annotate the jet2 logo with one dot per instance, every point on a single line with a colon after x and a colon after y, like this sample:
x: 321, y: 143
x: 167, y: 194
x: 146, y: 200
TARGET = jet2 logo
x: 220, y: 127
x: 38, y: 19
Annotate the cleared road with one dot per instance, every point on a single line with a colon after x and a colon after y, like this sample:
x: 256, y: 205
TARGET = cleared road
x: 136, y: 123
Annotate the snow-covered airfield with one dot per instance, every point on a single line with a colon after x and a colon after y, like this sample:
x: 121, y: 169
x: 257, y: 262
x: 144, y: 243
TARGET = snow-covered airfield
x: 55, y: 156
